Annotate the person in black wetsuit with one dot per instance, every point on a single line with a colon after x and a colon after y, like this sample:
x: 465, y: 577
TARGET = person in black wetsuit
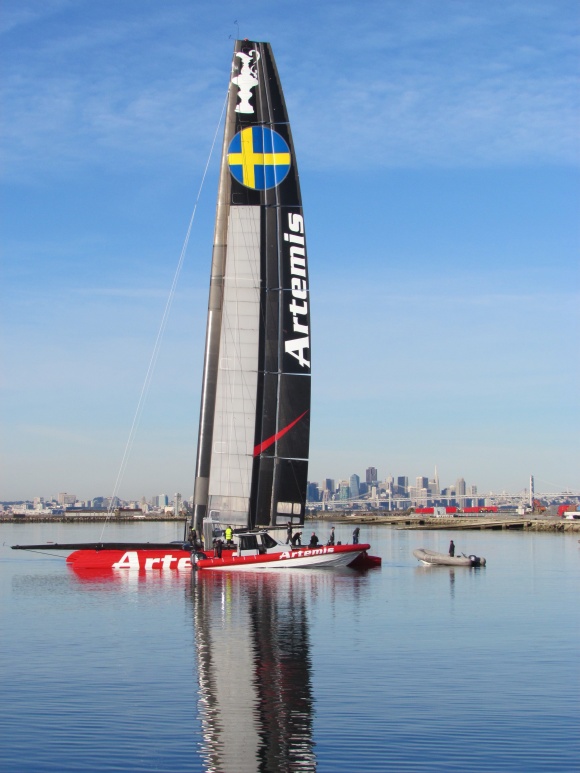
x: 296, y: 540
x: 313, y: 541
x: 451, y: 548
x: 355, y: 534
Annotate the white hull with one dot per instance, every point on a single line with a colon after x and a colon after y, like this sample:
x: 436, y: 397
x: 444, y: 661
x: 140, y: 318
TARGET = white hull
x: 324, y: 561
x: 432, y: 558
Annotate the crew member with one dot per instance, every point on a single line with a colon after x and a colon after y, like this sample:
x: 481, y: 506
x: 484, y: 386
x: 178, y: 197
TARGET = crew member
x: 296, y: 539
x: 451, y: 548
x: 228, y: 534
x: 355, y: 534
x: 331, y: 537
x: 194, y: 541
x: 313, y: 540
x: 289, y: 533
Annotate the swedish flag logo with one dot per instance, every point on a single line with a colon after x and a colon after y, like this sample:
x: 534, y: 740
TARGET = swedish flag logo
x: 259, y: 158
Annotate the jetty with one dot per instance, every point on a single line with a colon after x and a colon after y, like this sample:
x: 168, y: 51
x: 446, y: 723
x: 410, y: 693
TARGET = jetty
x: 90, y: 518
x: 411, y: 522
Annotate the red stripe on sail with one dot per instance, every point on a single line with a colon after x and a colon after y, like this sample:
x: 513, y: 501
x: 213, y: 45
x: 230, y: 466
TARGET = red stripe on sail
x: 267, y: 443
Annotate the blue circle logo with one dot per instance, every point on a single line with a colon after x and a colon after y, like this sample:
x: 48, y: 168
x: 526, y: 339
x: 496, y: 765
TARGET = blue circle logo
x: 259, y: 158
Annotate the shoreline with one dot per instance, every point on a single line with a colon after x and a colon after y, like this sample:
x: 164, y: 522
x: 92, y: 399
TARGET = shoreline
x: 493, y: 522
x: 90, y: 519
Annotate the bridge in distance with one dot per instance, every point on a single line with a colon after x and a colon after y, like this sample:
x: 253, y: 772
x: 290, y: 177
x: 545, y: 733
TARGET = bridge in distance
x: 491, y: 499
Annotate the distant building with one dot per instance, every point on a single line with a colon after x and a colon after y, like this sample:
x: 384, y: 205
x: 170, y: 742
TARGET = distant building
x: 329, y: 485
x: 371, y: 476
x: 312, y: 492
x: 343, y: 490
x: 402, y: 485
x: 354, y: 486
x: 389, y: 485
x: 419, y: 495
x: 66, y: 499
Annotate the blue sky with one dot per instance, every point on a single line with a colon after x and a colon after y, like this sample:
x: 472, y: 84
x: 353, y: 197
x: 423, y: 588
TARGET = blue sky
x: 438, y: 152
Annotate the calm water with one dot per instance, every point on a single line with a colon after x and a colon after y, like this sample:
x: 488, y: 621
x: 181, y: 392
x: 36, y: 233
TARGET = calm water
x: 405, y: 668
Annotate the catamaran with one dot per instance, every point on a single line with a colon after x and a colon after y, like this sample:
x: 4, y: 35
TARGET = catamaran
x: 254, y: 427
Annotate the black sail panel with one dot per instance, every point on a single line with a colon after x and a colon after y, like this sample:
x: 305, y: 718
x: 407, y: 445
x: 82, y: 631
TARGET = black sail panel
x: 294, y: 417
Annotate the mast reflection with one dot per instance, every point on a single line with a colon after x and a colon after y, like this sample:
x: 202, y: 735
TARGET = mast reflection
x: 254, y: 671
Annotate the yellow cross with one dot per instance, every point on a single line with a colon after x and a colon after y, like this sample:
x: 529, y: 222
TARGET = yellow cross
x: 248, y: 159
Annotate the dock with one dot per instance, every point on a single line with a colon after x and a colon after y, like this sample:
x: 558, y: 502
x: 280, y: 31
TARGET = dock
x: 92, y: 518
x: 495, y: 522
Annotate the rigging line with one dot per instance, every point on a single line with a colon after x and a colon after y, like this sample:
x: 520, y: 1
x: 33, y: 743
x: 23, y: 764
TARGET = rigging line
x: 157, y: 345
x: 42, y: 553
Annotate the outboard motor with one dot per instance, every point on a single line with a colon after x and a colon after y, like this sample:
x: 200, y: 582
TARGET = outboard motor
x: 476, y: 561
x: 195, y: 557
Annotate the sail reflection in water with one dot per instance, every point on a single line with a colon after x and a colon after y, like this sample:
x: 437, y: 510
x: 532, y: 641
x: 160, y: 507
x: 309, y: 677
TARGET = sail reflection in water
x: 255, y: 692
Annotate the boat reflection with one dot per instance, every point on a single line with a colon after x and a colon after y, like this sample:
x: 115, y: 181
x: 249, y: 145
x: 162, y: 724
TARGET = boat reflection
x: 254, y: 671
x: 128, y: 577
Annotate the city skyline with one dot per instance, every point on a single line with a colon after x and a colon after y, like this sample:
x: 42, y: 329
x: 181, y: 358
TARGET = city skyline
x: 470, y: 488
x: 438, y: 162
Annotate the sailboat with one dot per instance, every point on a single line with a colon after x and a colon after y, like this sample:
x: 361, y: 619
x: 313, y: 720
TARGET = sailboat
x: 254, y: 427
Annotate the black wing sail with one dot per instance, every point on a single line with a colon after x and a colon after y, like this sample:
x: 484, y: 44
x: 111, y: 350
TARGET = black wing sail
x: 252, y: 461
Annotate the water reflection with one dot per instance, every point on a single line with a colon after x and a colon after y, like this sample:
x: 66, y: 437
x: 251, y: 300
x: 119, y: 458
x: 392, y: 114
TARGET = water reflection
x: 254, y: 671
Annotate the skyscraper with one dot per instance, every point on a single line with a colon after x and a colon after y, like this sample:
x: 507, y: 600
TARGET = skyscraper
x: 329, y: 485
x: 371, y: 476
x: 312, y: 492
x: 402, y: 484
x: 343, y: 490
x: 354, y: 486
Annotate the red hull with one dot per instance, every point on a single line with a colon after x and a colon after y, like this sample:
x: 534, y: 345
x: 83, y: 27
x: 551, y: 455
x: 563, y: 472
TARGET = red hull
x: 140, y: 560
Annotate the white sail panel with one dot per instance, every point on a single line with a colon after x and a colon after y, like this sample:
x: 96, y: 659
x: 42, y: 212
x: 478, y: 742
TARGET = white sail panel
x: 235, y: 411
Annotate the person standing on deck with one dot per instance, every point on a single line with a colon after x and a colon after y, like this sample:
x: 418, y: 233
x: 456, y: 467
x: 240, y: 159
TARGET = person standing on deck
x: 228, y: 534
x: 355, y: 534
x: 289, y: 533
x: 331, y: 537
x: 313, y: 540
x: 451, y: 548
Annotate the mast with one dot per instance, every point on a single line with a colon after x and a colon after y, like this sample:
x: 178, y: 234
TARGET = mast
x: 252, y: 455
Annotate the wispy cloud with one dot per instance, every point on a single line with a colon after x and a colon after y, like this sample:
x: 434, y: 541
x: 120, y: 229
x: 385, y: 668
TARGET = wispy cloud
x: 455, y: 84
x: 448, y: 84
x: 122, y: 292
x: 46, y: 432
